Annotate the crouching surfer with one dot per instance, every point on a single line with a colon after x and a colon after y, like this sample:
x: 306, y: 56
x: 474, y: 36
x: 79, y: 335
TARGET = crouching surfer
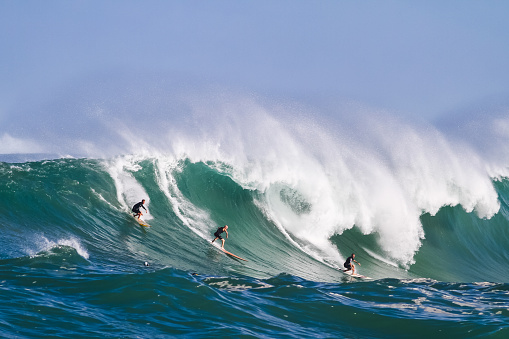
x: 136, y: 209
x: 218, y: 234
x: 349, y: 263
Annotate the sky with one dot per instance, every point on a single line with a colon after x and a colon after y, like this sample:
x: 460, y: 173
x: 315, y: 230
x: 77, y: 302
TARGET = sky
x: 421, y: 59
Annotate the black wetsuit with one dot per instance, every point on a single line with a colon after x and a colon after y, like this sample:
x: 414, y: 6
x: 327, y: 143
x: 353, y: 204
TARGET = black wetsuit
x: 136, y: 208
x: 348, y: 263
x: 218, y: 232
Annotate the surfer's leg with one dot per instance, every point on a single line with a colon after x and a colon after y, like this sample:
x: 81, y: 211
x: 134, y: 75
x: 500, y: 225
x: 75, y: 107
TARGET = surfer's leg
x: 214, y: 239
x: 222, y: 246
x: 137, y: 214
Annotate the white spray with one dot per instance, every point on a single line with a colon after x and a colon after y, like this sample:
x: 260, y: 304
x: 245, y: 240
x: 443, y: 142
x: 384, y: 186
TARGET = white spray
x: 319, y: 180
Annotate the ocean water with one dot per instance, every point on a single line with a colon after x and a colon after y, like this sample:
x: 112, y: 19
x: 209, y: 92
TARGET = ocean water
x: 426, y: 215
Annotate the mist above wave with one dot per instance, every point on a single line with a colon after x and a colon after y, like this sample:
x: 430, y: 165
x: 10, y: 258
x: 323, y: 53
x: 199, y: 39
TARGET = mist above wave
x: 350, y: 167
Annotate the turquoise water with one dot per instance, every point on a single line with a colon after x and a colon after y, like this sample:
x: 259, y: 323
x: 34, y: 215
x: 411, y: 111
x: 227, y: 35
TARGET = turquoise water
x: 72, y: 260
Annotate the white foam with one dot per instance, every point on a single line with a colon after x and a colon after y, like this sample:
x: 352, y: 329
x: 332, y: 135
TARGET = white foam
x: 379, y: 175
x: 193, y: 217
x: 380, y: 183
x: 129, y: 191
x: 43, y: 244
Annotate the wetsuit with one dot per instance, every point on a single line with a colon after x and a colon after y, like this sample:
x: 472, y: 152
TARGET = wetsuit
x: 348, y: 263
x: 218, y: 232
x: 136, y: 208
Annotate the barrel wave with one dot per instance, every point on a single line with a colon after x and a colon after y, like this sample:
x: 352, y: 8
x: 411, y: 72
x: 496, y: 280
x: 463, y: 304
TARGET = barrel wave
x: 426, y: 216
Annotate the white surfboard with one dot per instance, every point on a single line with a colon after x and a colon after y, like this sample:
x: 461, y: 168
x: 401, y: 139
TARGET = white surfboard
x: 356, y: 275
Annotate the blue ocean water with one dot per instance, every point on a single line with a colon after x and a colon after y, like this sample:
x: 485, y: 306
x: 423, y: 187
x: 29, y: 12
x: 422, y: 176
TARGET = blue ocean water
x: 72, y: 259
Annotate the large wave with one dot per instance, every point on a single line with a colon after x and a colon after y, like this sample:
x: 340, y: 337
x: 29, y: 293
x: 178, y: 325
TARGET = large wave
x: 299, y: 193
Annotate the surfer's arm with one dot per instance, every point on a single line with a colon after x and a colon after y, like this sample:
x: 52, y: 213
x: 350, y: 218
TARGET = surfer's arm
x: 226, y: 234
x: 357, y: 262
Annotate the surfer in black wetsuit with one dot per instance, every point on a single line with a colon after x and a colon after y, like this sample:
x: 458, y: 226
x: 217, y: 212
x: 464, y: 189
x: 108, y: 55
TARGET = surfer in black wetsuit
x: 218, y: 234
x: 136, y: 209
x: 349, y: 263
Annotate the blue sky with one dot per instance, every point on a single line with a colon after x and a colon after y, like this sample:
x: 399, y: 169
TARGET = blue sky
x: 423, y: 59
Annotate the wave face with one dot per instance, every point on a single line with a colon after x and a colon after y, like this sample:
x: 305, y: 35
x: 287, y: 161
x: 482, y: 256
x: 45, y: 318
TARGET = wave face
x: 72, y: 255
x: 426, y: 215
x: 85, y: 204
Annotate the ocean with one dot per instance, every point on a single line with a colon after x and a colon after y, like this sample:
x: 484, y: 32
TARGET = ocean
x: 426, y: 216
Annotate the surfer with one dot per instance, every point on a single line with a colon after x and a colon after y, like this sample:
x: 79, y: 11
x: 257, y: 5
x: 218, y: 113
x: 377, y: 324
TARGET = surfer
x: 349, y: 263
x: 218, y: 234
x: 136, y: 209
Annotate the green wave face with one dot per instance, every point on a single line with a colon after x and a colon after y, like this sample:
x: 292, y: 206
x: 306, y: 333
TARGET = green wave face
x: 83, y: 205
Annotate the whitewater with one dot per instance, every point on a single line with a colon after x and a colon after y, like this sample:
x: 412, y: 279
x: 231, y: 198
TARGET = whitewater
x: 424, y: 209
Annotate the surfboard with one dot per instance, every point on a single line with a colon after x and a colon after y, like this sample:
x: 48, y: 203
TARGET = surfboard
x: 141, y: 222
x: 356, y: 275
x: 233, y: 255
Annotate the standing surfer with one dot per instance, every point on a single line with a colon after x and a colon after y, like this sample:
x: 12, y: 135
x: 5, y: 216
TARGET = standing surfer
x: 218, y: 234
x: 349, y: 263
x: 136, y: 209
